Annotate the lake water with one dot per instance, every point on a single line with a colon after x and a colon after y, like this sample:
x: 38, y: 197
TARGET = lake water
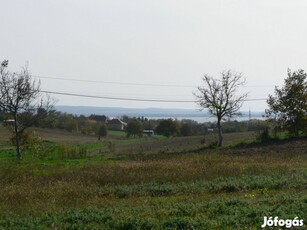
x: 206, y: 118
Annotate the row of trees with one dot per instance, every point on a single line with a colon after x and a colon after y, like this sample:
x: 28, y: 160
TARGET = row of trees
x: 187, y: 127
x: 166, y: 127
x: 287, y: 108
x: 21, y: 99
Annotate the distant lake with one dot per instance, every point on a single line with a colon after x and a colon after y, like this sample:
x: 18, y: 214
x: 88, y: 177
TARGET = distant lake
x: 204, y: 118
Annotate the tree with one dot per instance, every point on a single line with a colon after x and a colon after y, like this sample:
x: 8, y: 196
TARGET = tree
x: 134, y: 128
x: 168, y: 128
x: 186, y: 129
x: 102, y: 131
x: 219, y: 97
x: 20, y: 97
x: 288, y: 108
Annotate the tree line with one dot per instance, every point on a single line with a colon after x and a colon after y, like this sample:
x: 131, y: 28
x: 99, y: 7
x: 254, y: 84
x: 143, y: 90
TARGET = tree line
x: 287, y: 108
x: 21, y: 101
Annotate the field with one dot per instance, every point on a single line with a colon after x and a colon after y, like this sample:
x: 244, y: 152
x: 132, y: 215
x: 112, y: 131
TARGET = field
x: 73, y: 181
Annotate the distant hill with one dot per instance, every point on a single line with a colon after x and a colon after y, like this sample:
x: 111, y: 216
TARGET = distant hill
x: 138, y: 112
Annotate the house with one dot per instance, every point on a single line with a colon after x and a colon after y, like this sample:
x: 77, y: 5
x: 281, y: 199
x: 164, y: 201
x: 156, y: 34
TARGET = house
x: 99, y: 118
x: 116, y: 124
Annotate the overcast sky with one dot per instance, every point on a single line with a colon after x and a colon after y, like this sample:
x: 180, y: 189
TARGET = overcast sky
x: 160, y: 42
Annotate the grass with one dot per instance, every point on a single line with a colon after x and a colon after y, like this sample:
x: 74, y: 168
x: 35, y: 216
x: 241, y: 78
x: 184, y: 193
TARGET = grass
x: 152, y: 183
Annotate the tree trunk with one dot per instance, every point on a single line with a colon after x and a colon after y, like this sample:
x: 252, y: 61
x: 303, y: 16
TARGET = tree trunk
x: 17, y: 138
x: 219, y: 128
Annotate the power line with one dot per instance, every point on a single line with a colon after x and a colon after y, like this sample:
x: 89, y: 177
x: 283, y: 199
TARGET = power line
x: 116, y: 98
x: 131, y: 99
x: 133, y: 84
x: 115, y: 82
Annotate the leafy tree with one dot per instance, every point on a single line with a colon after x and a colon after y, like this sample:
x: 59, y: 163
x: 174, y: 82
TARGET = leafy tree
x: 134, y: 128
x: 149, y: 124
x: 168, y: 128
x: 102, y: 131
x: 21, y: 98
x: 219, y: 97
x: 186, y: 129
x: 288, y: 108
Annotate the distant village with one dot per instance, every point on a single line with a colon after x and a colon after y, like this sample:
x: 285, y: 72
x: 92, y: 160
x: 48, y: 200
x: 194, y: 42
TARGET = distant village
x: 112, y: 124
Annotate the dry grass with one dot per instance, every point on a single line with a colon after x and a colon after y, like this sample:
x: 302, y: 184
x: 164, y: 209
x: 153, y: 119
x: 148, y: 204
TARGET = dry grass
x: 33, y: 185
x: 159, y: 181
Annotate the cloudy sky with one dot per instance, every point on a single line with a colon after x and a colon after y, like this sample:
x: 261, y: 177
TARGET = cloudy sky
x: 153, y: 49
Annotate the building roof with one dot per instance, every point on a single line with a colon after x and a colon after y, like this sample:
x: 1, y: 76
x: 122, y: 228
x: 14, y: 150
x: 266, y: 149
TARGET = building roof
x: 100, y: 118
x: 116, y: 121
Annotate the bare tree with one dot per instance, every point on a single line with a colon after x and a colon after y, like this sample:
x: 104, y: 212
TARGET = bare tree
x: 20, y: 97
x: 219, y: 97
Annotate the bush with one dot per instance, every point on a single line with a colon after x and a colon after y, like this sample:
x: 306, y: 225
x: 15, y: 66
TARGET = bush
x: 186, y: 129
x: 72, y: 152
x: 263, y: 136
x: 134, y: 128
x: 168, y: 128
x: 102, y: 131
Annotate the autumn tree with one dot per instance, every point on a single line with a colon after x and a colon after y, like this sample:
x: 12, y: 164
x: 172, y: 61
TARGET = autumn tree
x: 134, y: 128
x: 220, y: 97
x: 102, y: 131
x: 21, y: 98
x: 288, y: 107
x: 168, y: 127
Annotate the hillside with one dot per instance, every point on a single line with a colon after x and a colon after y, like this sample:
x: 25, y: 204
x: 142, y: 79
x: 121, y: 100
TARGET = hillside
x: 137, y: 112
x: 151, y: 183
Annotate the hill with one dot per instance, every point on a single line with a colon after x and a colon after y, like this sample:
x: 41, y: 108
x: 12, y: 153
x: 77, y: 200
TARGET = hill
x: 137, y: 112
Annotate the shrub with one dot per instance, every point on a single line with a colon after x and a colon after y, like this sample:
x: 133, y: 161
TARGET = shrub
x: 168, y: 128
x: 263, y: 136
x: 102, y: 131
x: 134, y: 128
x: 72, y: 152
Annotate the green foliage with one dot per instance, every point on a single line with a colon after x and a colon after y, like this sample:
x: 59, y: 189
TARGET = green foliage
x: 72, y: 152
x: 213, y: 145
x: 2, y: 116
x: 34, y: 146
x: 227, y: 188
x: 168, y: 128
x: 186, y: 129
x: 241, y: 212
x: 263, y: 136
x: 102, y: 131
x: 288, y: 108
x: 134, y: 128
x: 111, y: 146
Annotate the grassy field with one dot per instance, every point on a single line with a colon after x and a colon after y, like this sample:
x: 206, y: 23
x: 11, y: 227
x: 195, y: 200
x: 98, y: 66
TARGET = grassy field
x: 73, y: 181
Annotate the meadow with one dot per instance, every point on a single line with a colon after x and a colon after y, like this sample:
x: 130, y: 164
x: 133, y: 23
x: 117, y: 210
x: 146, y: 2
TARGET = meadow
x: 74, y: 181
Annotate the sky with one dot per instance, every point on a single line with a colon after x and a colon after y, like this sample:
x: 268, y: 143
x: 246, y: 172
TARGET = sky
x: 157, y: 49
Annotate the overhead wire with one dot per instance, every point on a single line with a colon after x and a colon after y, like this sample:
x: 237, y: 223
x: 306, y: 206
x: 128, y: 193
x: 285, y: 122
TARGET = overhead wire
x: 123, y: 98
x: 115, y: 82
x: 128, y: 83
x: 131, y: 99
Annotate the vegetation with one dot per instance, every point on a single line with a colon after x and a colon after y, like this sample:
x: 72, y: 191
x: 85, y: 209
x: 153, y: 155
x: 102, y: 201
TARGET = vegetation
x: 20, y: 97
x: 288, y: 109
x: 134, y: 128
x: 103, y: 131
x: 69, y: 179
x: 168, y: 127
x: 150, y: 183
x: 219, y: 97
